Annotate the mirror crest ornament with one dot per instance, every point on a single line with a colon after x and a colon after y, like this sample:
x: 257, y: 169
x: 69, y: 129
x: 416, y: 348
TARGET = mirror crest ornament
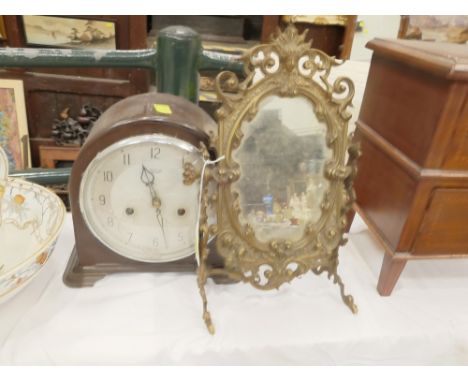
x: 284, y: 186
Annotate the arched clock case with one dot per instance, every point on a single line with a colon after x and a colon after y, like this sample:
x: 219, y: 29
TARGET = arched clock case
x: 134, y: 185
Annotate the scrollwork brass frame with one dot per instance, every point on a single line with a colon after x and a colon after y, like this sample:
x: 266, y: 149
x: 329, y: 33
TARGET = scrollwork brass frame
x: 287, y: 67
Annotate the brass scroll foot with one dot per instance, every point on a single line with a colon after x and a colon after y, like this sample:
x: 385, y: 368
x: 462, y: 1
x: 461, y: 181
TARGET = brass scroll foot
x: 208, y: 322
x: 347, y: 299
x: 201, y: 287
x: 206, y: 313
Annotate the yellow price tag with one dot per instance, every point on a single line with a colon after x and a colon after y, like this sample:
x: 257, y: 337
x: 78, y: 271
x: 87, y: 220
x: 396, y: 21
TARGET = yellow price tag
x: 162, y: 108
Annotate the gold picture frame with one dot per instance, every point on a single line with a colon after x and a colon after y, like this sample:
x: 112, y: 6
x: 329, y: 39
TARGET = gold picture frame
x: 288, y: 69
x: 3, y: 35
x: 316, y: 19
x: 437, y: 28
x: 14, y: 136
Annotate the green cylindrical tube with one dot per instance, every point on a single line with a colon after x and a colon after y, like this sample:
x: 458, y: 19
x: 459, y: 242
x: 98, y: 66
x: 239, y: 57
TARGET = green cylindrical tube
x: 48, y: 57
x: 218, y: 61
x: 44, y: 176
x: 179, y: 49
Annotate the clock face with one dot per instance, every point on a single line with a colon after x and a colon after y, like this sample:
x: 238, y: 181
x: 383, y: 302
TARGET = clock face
x: 133, y: 198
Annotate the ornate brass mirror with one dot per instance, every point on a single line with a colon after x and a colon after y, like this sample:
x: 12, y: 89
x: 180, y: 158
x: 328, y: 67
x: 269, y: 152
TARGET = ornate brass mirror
x: 284, y: 187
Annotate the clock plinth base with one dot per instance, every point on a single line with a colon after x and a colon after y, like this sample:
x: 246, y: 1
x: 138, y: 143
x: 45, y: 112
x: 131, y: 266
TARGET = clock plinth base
x: 77, y: 275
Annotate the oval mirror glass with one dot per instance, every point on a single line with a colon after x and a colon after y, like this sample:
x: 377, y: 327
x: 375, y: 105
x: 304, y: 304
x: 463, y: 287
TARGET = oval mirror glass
x: 281, y: 157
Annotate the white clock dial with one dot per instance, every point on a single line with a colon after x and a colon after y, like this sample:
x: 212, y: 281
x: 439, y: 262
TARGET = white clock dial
x: 134, y: 201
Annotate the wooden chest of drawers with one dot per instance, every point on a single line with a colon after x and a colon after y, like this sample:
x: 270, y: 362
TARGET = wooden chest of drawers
x: 412, y: 182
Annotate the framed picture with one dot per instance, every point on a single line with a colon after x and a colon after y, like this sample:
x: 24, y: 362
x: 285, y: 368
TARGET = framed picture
x: 3, y: 35
x: 14, y: 137
x: 441, y: 28
x: 317, y: 20
x: 68, y: 32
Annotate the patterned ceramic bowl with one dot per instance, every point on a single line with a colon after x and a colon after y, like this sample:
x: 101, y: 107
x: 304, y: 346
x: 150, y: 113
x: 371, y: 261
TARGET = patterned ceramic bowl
x: 31, y: 218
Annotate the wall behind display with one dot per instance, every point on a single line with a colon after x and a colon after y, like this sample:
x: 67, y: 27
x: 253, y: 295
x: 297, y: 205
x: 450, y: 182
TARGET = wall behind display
x: 372, y: 27
x: 48, y: 91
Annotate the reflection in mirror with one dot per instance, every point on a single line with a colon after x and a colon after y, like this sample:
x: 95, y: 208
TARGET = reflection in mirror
x: 281, y: 157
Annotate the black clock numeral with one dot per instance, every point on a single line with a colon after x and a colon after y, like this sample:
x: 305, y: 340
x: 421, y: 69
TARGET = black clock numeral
x: 126, y: 159
x: 108, y: 176
x: 110, y: 221
x: 129, y: 237
x: 180, y: 237
x: 155, y: 151
x: 102, y: 200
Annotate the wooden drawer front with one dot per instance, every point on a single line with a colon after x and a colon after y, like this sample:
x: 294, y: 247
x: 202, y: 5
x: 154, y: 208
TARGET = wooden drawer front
x: 457, y: 154
x: 384, y: 191
x: 444, y: 228
x: 403, y: 105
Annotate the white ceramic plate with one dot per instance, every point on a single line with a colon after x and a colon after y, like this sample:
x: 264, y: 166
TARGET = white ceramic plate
x: 31, y: 218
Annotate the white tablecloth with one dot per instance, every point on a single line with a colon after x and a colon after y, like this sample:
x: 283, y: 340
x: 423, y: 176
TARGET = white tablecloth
x: 156, y: 318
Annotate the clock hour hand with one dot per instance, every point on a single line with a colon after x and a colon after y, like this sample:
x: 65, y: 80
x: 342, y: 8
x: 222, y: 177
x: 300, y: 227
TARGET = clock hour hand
x: 147, y: 177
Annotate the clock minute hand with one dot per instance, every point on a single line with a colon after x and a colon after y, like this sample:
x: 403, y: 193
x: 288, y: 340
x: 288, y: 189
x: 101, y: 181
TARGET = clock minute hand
x: 147, y: 177
x: 161, y: 224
